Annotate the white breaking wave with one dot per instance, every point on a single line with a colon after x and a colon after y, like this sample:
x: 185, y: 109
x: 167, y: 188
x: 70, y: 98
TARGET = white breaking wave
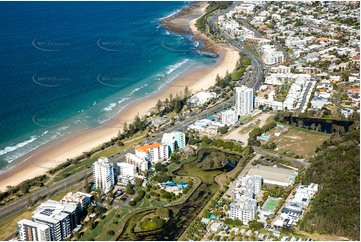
x: 110, y: 107
x: 171, y: 14
x: 122, y: 100
x: 17, y: 146
x: 175, y: 66
x: 45, y: 133
x: 137, y: 89
x: 63, y: 128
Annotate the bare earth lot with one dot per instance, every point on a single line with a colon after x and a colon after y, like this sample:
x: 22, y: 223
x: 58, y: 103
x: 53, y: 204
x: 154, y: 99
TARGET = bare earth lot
x: 300, y: 141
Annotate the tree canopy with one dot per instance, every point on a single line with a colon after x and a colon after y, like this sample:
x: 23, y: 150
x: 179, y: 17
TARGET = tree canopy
x: 335, y: 208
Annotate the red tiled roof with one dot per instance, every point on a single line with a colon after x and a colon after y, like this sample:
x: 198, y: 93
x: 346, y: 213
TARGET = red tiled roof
x: 145, y: 148
x: 355, y: 90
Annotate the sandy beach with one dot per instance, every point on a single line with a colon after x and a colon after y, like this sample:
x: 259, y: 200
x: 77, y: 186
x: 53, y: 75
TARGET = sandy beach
x: 56, y: 152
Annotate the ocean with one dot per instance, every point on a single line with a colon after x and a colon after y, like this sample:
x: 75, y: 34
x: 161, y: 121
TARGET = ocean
x: 70, y: 66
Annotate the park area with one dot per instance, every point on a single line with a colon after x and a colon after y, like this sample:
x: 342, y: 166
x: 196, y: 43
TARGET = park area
x: 298, y: 141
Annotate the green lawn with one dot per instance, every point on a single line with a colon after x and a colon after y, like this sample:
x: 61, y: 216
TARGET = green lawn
x: 8, y: 225
x: 101, y: 229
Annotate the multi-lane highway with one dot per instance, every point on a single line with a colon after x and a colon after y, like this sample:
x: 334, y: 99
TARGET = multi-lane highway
x: 43, y: 194
x: 256, y: 78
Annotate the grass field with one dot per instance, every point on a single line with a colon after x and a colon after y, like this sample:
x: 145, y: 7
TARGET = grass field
x: 8, y: 225
x: 270, y: 204
x: 300, y: 141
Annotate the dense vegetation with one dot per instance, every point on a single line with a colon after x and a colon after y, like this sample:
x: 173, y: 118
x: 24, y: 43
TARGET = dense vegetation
x: 201, y: 23
x: 212, y: 159
x: 242, y: 65
x: 252, y: 140
x: 171, y: 104
x: 336, y: 206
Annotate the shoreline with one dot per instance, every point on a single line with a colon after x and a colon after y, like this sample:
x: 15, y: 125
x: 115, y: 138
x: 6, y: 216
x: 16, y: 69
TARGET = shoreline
x: 55, y: 152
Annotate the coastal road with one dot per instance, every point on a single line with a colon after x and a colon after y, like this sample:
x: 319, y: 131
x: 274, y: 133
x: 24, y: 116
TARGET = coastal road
x: 256, y: 78
x: 46, y: 192
x: 37, y: 196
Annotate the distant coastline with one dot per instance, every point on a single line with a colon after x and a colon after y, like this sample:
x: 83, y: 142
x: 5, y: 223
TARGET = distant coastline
x: 57, y: 151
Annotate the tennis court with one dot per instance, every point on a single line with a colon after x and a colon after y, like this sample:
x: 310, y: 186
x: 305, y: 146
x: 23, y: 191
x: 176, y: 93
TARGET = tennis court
x: 270, y: 204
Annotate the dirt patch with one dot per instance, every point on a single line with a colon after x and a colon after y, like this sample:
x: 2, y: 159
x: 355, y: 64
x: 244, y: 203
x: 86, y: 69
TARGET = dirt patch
x: 300, y: 142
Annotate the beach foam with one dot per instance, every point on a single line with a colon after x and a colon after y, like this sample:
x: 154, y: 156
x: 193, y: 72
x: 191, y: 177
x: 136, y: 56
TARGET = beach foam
x: 17, y: 146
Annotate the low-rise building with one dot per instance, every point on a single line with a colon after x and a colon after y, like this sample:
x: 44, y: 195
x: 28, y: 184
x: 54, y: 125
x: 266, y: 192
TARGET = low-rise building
x: 271, y: 55
x: 274, y: 175
x: 245, y: 8
x: 201, y: 98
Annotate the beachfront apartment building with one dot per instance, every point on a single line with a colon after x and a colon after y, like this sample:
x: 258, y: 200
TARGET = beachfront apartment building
x: 33, y: 231
x: 244, y: 100
x: 127, y: 173
x: 152, y: 152
x: 174, y: 140
x: 61, y: 218
x: 79, y: 199
x: 103, y: 172
x: 140, y: 163
x: 229, y: 117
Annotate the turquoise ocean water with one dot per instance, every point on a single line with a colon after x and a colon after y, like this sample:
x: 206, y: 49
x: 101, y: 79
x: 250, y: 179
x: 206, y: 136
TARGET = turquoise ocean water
x: 69, y: 66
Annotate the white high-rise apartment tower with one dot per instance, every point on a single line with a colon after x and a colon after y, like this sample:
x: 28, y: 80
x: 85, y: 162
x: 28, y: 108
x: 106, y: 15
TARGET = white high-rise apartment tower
x: 103, y: 174
x: 244, y: 100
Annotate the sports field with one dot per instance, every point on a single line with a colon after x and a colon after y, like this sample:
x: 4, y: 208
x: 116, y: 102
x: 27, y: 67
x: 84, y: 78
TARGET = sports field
x: 270, y: 204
